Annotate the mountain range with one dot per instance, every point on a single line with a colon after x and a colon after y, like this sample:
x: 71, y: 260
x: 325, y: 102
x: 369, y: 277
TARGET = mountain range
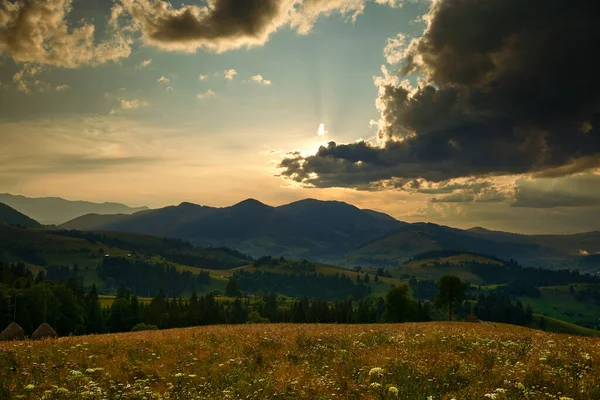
x: 335, y: 232
x: 55, y: 211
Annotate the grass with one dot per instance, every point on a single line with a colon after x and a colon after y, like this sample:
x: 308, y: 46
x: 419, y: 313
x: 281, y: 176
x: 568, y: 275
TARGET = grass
x: 106, y: 301
x: 557, y: 302
x: 407, y: 361
x: 559, y: 326
x: 435, y: 268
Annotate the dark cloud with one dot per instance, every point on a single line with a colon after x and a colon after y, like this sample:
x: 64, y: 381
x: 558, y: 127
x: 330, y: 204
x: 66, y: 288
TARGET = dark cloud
x: 510, y: 88
x: 472, y: 185
x: 229, y: 24
x: 488, y: 195
x: 535, y: 198
x: 576, y: 191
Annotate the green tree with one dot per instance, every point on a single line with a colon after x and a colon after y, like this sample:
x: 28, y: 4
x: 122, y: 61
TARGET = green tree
x: 231, y: 290
x: 270, y: 309
x: 451, y: 293
x: 70, y: 312
x: 398, y: 305
x: 121, y: 317
x: 93, y: 312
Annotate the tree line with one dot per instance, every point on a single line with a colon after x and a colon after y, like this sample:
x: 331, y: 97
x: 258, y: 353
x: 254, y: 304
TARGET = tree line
x: 72, y: 309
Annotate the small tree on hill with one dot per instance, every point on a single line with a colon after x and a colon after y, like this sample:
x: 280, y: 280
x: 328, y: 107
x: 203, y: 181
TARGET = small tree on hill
x: 451, y: 293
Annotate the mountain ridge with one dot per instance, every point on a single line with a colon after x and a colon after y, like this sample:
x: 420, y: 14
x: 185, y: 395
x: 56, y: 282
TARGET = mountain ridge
x: 10, y: 216
x: 56, y: 210
x: 336, y: 231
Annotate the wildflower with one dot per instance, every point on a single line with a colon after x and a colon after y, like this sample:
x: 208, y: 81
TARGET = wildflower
x: 376, y: 371
x: 375, y: 385
x: 393, y: 390
x: 29, y: 388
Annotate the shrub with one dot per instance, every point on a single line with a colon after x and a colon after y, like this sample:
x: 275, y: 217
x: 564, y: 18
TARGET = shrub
x: 144, y: 327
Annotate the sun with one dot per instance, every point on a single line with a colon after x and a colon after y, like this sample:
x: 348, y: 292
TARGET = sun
x: 321, y: 131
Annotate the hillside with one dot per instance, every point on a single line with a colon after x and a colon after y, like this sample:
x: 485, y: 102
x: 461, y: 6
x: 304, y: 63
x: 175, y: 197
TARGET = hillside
x: 339, y: 233
x: 61, y: 254
x: 146, y: 264
x: 55, y: 210
x: 10, y: 216
x: 405, y: 361
x: 304, y: 229
x: 434, y: 265
x: 557, y: 251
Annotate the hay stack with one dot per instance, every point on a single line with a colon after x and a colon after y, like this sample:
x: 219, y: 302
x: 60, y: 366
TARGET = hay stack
x: 12, y: 332
x: 45, y: 331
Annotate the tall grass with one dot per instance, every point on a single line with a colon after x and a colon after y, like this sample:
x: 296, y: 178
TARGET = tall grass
x: 406, y: 361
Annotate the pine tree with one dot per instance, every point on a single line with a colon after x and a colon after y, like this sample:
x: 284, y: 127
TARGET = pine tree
x: 93, y: 312
x: 231, y: 290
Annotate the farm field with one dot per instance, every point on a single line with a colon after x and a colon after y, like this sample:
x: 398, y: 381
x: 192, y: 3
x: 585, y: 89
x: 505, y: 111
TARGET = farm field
x: 285, y: 361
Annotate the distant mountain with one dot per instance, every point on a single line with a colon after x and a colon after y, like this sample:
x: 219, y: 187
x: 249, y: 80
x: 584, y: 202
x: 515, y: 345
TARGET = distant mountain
x: 10, y: 216
x: 553, y: 251
x: 337, y: 232
x: 304, y: 229
x: 54, y: 210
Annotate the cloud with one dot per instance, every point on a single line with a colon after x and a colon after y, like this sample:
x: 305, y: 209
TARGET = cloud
x: 225, y: 25
x: 259, y: 79
x: 229, y: 74
x: 581, y: 190
x: 164, y: 80
x: 204, y: 95
x: 34, y: 150
x: 510, y: 94
x: 395, y: 49
x: 37, y: 31
x: 26, y: 77
x: 144, y: 63
x: 203, y: 77
x: 487, y: 195
x: 126, y: 105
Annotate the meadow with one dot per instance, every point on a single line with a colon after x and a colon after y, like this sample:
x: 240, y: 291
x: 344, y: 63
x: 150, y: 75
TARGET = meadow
x: 428, y: 361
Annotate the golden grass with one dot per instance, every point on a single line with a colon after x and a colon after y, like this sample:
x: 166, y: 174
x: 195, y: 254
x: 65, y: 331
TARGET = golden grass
x: 285, y: 361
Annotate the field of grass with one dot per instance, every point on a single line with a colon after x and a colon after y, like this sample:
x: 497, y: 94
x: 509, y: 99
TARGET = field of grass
x: 559, y: 326
x: 435, y: 268
x: 407, y: 361
x: 557, y: 302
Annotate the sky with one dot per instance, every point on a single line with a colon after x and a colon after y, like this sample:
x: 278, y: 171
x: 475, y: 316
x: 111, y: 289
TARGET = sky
x: 458, y: 112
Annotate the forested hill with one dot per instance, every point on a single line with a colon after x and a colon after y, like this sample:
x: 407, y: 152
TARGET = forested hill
x: 10, y: 216
x: 336, y: 232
